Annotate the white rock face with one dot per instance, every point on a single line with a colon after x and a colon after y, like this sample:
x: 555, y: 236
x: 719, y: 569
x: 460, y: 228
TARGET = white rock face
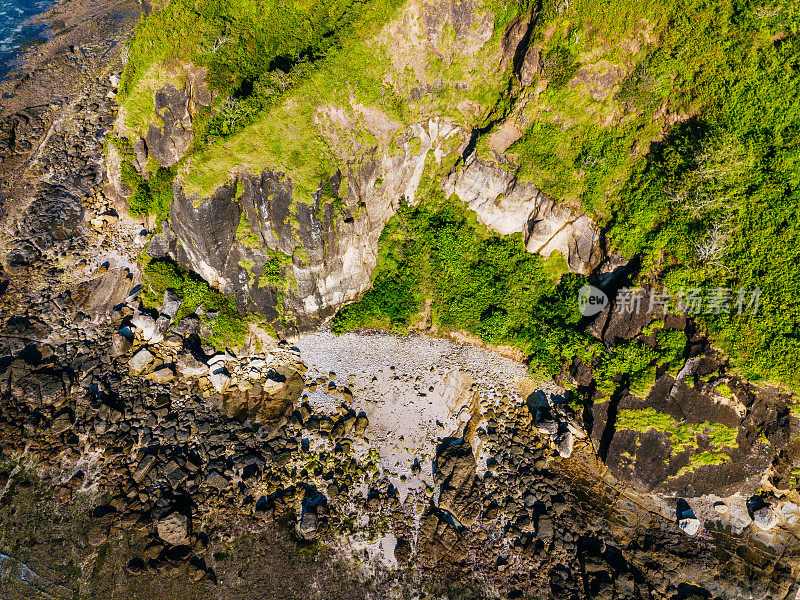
x: 508, y: 206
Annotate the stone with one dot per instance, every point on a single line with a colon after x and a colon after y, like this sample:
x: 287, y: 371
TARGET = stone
x: 565, y: 443
x: 188, y: 366
x: 217, y: 480
x: 455, y: 474
x: 547, y: 427
x: 172, y: 304
x: 721, y: 507
x: 220, y: 379
x: 162, y: 375
x: 690, y: 526
x: 544, y: 529
x: 307, y: 528
x: 97, y: 531
x: 61, y: 423
x: 143, y: 467
x: 140, y: 361
x: 174, y: 529
x: 120, y: 345
x: 765, y: 518
x: 790, y: 512
x: 145, y: 325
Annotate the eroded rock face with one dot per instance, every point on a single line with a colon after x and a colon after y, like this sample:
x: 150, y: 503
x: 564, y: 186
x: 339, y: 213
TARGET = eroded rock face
x: 508, y: 206
x: 168, y: 144
x: 325, y: 249
x: 460, y: 493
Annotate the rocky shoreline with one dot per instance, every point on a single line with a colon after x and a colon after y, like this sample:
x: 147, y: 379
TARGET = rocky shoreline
x: 138, y: 461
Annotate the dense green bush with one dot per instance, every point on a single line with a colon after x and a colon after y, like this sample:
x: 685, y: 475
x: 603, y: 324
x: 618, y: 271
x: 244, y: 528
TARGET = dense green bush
x: 474, y: 280
x: 229, y: 326
x: 715, y: 204
x: 151, y: 196
x: 710, y: 201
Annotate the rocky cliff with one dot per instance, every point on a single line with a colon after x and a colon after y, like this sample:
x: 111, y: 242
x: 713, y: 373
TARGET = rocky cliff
x: 297, y: 257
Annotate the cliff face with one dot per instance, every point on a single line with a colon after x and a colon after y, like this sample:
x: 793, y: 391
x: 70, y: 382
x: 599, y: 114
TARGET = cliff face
x: 297, y: 257
x: 326, y: 250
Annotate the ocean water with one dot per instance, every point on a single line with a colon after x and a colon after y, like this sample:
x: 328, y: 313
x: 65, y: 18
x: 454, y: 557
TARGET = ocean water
x: 16, y: 28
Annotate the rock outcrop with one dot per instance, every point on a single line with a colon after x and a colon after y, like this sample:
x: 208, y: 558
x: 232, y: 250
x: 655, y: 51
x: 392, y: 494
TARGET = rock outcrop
x: 509, y: 206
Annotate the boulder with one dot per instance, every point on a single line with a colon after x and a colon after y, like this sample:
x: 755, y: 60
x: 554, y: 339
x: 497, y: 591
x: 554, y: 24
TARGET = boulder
x: 455, y: 474
x: 162, y: 375
x: 220, y: 379
x: 217, y: 480
x: 565, y: 443
x: 689, y: 526
x: 143, y: 467
x: 145, y: 325
x: 174, y: 529
x: 307, y: 528
x: 140, y: 361
x: 765, y: 518
x: 188, y: 366
x: 721, y: 507
x: 172, y: 304
x: 790, y: 512
x: 120, y: 345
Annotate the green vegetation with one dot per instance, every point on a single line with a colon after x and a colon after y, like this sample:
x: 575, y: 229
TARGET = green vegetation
x: 152, y: 192
x: 274, y: 65
x: 682, y: 436
x: 700, y: 459
x: 474, y: 280
x: 151, y: 196
x: 674, y: 123
x: 229, y: 326
x: 710, y: 202
x: 436, y: 258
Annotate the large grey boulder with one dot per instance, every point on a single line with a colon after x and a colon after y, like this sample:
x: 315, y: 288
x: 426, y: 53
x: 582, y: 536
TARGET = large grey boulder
x: 765, y: 518
x: 174, y: 529
x: 140, y: 361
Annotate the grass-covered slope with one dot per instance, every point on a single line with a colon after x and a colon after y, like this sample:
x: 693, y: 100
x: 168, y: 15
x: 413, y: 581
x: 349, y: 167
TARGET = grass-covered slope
x: 305, y: 87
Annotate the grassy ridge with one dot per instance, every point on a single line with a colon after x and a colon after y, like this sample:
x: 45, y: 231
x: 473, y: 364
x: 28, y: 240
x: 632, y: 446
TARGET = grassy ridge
x: 708, y: 198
